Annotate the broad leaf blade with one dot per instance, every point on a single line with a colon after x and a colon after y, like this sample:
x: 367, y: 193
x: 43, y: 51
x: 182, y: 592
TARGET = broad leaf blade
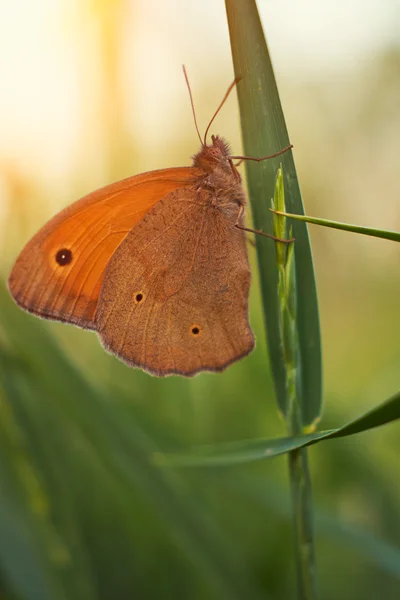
x: 264, y: 132
x: 244, y: 451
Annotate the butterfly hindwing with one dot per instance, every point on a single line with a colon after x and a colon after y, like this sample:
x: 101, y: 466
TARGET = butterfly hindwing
x: 175, y: 295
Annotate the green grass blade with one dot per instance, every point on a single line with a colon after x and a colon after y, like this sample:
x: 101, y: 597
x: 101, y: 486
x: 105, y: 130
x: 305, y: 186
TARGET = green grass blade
x: 385, y: 234
x: 289, y: 298
x: 234, y: 453
x: 264, y: 132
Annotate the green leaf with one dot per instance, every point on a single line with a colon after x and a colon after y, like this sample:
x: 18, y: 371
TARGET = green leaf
x: 264, y: 133
x: 386, y: 234
x: 244, y: 451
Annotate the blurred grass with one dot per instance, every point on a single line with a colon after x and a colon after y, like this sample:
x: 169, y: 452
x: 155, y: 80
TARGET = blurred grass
x: 55, y: 408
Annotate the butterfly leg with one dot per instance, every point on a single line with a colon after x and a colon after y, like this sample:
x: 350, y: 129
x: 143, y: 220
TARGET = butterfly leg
x: 241, y: 158
x: 258, y: 231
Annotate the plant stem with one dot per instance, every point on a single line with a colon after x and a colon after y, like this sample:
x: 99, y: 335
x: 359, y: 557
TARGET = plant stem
x: 302, y: 517
x: 298, y: 462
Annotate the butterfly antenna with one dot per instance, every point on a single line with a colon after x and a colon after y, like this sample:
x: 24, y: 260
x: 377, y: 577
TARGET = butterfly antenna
x: 192, y: 103
x: 230, y: 88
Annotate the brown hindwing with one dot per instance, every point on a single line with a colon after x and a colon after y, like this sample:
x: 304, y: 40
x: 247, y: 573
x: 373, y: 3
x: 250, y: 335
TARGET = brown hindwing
x: 175, y: 293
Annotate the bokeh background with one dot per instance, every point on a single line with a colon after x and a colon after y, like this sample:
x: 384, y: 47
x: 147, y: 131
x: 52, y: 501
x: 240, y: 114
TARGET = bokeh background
x: 92, y: 91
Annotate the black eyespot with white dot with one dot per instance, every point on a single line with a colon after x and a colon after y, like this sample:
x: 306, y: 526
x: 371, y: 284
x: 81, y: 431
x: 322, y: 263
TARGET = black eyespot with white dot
x: 64, y: 257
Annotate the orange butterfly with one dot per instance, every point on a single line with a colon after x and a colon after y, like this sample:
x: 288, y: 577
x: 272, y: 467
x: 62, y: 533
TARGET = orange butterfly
x: 156, y: 264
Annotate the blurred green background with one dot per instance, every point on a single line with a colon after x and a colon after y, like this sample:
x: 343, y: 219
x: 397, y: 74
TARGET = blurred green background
x: 92, y: 91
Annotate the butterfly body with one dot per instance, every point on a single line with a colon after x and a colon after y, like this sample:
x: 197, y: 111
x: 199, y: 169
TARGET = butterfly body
x: 154, y: 264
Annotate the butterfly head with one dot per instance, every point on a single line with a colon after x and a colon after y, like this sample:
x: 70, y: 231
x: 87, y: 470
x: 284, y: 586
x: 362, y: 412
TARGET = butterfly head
x: 214, y: 155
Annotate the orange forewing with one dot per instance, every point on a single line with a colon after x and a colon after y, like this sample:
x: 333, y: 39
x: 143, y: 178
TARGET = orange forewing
x: 91, y: 229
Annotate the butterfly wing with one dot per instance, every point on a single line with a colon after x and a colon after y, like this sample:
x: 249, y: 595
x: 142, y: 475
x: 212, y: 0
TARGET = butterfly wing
x: 59, y: 273
x: 175, y: 294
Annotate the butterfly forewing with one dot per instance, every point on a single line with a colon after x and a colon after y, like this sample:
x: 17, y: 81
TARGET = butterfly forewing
x: 59, y: 273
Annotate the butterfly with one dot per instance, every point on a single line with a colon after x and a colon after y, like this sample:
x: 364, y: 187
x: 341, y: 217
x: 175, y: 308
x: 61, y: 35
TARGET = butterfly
x: 156, y: 264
